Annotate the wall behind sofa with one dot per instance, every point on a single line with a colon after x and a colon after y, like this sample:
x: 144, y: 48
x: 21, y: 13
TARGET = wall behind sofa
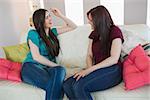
x: 14, y: 16
x: 58, y: 4
x: 135, y: 11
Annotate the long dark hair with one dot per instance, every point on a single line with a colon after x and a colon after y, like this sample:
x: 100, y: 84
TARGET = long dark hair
x: 52, y: 44
x: 102, y: 23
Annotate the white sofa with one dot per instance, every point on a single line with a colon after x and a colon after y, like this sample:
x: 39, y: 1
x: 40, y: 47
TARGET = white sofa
x: 72, y: 56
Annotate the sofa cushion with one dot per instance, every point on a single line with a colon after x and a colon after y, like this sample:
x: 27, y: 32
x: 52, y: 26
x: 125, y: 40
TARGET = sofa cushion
x: 136, y: 69
x: 134, y: 35
x: 74, y: 46
x: 16, y: 53
x: 130, y: 41
x: 118, y: 93
x: 20, y: 91
x: 10, y: 70
x: 140, y: 30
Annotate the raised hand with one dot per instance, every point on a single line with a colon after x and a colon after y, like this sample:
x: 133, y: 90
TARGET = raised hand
x: 56, y: 12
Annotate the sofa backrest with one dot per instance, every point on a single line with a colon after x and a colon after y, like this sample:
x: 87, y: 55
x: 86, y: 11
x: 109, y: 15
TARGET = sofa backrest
x: 134, y: 35
x: 74, y: 44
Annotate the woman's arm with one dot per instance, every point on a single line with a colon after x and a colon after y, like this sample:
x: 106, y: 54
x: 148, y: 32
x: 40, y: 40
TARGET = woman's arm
x: 113, y: 59
x: 69, y: 25
x: 114, y: 55
x: 89, y: 57
x: 39, y: 58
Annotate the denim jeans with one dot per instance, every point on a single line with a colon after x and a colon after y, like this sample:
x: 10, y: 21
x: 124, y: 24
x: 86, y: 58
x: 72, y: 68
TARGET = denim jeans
x: 98, y: 80
x: 50, y: 79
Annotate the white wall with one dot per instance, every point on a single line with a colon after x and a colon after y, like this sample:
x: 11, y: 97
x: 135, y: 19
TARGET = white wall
x: 14, y: 16
x: 58, y: 4
x: 87, y: 5
x: 135, y: 11
x: 148, y: 13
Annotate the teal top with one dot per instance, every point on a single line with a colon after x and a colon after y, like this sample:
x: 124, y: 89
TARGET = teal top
x: 35, y: 38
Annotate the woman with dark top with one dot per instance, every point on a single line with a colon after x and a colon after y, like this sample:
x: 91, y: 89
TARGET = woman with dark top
x: 103, y: 69
x: 40, y: 68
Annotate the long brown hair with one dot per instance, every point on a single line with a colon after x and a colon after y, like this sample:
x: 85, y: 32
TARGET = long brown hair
x: 52, y: 44
x: 102, y: 23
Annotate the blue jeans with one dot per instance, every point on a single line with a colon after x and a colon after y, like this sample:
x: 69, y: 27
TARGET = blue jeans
x: 50, y: 79
x: 98, y: 80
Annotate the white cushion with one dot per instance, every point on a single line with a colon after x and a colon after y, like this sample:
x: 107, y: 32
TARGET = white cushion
x: 134, y: 35
x: 140, y: 30
x: 74, y: 46
x: 131, y: 41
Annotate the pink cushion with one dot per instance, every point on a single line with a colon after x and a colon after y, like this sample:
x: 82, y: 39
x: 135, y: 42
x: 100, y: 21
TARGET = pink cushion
x: 3, y: 72
x: 146, y: 62
x: 136, y: 69
x: 10, y: 70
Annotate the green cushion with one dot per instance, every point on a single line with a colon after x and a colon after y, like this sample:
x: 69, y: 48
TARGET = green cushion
x: 16, y: 53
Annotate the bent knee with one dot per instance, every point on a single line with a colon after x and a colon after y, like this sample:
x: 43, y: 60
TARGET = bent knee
x: 60, y: 69
x: 78, y: 87
x: 60, y: 72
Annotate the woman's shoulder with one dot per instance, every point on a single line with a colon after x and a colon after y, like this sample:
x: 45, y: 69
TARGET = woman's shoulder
x: 115, y: 28
x: 33, y: 32
x: 33, y: 36
x: 116, y: 33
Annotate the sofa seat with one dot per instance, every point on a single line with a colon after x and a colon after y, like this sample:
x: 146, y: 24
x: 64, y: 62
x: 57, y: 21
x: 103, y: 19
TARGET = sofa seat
x: 119, y: 93
x: 20, y: 91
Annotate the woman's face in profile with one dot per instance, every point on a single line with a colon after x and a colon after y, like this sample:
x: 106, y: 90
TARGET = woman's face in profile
x: 48, y: 20
x: 90, y: 21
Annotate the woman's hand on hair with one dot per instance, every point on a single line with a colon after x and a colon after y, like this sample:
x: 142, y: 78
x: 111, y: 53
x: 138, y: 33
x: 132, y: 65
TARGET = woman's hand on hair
x: 56, y: 12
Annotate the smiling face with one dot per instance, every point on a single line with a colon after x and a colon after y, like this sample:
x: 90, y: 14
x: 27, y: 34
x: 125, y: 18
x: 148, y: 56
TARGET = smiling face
x: 48, y: 20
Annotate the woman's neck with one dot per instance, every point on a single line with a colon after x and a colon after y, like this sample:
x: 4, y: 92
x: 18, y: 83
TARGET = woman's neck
x: 47, y: 31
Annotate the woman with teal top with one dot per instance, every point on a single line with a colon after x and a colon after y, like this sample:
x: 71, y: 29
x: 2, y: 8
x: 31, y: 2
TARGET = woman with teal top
x: 40, y: 68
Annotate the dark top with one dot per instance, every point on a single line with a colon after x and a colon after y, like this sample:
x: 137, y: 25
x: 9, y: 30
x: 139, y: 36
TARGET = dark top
x: 98, y: 56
